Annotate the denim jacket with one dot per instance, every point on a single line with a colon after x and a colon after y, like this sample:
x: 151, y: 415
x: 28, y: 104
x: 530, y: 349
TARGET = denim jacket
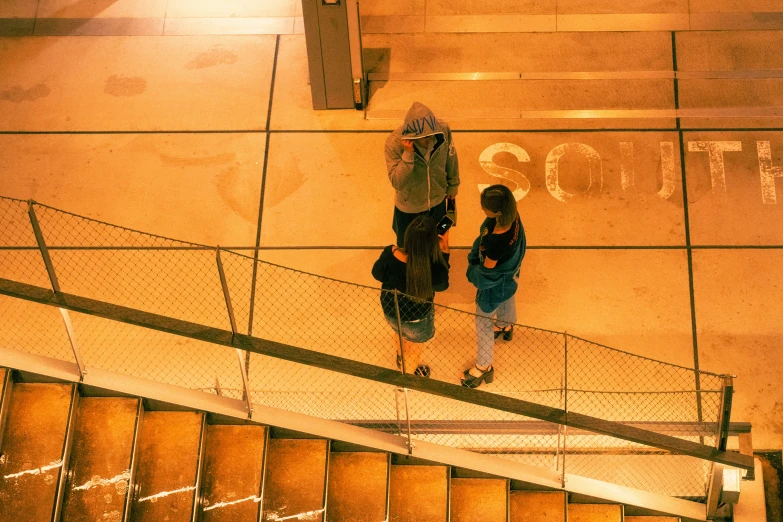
x: 495, y: 285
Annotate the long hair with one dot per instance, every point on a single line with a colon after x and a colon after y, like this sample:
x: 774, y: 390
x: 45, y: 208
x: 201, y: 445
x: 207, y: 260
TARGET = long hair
x: 499, y: 198
x: 423, y: 249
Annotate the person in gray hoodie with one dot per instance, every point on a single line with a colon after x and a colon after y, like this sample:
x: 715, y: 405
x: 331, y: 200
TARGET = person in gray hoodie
x: 423, y: 168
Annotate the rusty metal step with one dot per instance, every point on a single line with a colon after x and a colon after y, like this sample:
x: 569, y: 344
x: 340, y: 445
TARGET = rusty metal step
x: 479, y: 500
x: 167, y: 474
x: 358, y: 486
x: 537, y: 506
x: 233, y: 472
x: 651, y: 519
x: 35, y: 446
x: 101, y: 459
x: 595, y: 513
x: 295, y: 481
x: 419, y: 494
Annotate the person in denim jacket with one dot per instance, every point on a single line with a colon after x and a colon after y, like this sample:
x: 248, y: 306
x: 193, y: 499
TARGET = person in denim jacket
x: 493, y: 268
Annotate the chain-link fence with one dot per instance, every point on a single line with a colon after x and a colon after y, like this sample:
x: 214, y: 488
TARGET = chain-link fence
x: 229, y: 290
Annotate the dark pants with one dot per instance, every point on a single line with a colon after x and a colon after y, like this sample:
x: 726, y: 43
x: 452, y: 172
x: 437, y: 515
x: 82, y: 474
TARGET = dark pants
x: 403, y: 219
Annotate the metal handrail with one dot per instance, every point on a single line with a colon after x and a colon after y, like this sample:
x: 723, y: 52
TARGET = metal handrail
x: 370, y: 372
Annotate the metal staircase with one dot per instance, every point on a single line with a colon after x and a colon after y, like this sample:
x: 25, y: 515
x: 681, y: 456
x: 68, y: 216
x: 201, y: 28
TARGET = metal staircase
x: 77, y: 453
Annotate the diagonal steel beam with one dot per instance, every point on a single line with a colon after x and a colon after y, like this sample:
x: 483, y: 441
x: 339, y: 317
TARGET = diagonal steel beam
x: 371, y: 372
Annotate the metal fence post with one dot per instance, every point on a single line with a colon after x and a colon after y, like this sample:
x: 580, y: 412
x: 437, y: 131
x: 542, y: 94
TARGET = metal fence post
x: 399, y: 328
x: 402, y: 369
x: 55, y: 287
x: 724, y: 416
x: 397, y: 409
x: 411, y: 445
x: 714, y: 486
x: 565, y: 406
x: 232, y: 320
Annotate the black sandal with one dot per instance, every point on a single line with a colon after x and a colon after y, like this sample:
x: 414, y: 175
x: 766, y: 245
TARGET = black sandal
x: 422, y: 370
x: 471, y: 381
x: 507, y: 332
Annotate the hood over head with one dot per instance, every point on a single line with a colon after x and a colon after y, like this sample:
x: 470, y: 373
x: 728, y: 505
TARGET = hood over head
x: 420, y: 122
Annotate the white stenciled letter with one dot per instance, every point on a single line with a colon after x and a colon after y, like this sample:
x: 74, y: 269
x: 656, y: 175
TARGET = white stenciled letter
x: 667, y: 168
x: 716, y: 150
x: 514, y: 176
x: 552, y: 163
x: 768, y: 173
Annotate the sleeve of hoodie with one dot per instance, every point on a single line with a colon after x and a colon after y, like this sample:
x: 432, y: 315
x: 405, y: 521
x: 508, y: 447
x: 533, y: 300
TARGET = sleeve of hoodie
x: 452, y: 168
x: 399, y: 162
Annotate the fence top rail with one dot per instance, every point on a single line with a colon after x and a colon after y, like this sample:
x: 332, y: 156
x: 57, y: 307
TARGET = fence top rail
x: 16, y: 200
x: 156, y: 236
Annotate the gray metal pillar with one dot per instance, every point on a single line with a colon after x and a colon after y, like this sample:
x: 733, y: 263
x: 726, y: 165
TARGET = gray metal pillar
x: 334, y: 53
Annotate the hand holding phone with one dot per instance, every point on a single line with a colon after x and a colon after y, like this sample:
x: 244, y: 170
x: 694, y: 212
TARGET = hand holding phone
x: 444, y: 225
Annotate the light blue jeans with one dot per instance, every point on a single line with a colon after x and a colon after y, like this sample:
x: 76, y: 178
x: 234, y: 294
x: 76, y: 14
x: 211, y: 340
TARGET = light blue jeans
x: 506, y: 313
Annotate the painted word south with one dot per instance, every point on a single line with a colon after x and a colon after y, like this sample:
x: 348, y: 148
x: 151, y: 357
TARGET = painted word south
x: 714, y: 149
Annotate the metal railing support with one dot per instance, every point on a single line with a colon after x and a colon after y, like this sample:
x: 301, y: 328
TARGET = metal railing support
x: 565, y: 406
x: 399, y: 328
x: 714, y: 487
x: 411, y: 445
x: 55, y: 287
x: 402, y: 369
x: 397, y: 409
x: 559, y: 430
x: 241, y: 354
x: 576, y: 420
x: 724, y: 416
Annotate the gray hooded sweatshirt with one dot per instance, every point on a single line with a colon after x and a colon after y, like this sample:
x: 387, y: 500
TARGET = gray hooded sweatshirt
x: 421, y: 184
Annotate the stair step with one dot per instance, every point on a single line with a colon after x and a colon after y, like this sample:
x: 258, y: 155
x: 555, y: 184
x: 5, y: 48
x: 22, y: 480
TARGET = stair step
x: 168, y: 464
x: 479, y: 500
x: 595, y: 513
x: 33, y: 450
x: 419, y: 494
x: 524, y: 99
x: 295, y: 479
x: 100, y: 463
x: 651, y: 519
x: 358, y: 486
x: 233, y: 469
x: 516, y: 52
x: 537, y: 506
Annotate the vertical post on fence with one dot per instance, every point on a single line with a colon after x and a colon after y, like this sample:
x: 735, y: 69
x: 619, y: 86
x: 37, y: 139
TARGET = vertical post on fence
x: 714, y: 487
x: 397, y: 408
x: 402, y: 367
x: 724, y: 416
x: 232, y: 320
x: 559, y: 431
x: 399, y: 329
x: 55, y: 287
x: 408, y: 419
x: 565, y: 406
